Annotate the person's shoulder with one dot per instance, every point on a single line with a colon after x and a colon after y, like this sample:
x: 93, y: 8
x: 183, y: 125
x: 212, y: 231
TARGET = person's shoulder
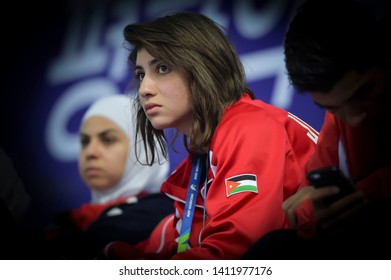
x: 247, y: 105
x: 254, y: 111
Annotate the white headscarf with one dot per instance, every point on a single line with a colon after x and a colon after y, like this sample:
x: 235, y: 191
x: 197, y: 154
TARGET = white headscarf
x: 137, y: 177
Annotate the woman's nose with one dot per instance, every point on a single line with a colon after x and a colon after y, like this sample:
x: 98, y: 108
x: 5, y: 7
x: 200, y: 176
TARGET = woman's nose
x: 92, y: 148
x: 147, y: 87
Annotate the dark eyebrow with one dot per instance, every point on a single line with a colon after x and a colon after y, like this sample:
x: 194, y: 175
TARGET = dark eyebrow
x: 107, y: 131
x: 102, y: 133
x: 151, y: 63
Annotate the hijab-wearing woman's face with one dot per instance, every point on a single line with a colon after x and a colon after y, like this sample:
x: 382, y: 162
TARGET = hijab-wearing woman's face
x: 103, y: 154
x: 164, y: 93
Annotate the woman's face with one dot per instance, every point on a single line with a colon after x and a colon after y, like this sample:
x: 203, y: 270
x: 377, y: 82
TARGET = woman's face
x: 164, y: 93
x: 103, y: 154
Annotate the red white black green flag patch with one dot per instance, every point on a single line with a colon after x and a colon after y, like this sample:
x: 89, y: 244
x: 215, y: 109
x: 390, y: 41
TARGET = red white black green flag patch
x: 241, y: 183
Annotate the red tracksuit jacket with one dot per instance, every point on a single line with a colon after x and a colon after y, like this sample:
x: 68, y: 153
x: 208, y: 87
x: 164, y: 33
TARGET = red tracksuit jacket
x: 257, y: 145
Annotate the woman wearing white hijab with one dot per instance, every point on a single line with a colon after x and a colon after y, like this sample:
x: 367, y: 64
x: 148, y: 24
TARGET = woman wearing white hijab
x: 126, y: 202
x: 104, y: 122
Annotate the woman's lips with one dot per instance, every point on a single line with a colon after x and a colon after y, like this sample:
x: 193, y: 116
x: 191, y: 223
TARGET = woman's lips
x: 151, y: 109
x: 92, y: 172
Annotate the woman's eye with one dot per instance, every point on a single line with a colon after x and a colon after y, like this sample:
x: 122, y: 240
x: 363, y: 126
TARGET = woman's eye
x: 108, y: 140
x: 140, y: 76
x: 84, y: 141
x: 163, y: 69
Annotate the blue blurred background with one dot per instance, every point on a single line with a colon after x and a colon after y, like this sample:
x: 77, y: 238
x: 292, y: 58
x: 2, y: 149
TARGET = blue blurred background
x: 59, y: 57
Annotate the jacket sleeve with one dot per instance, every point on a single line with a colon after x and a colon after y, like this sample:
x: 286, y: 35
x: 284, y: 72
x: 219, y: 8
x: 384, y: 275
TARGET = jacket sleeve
x: 326, y: 153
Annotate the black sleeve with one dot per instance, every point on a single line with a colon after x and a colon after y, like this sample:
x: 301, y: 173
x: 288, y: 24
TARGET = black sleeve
x: 130, y: 222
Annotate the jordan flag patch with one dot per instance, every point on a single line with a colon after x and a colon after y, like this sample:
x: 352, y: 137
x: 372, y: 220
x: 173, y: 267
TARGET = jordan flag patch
x: 241, y: 183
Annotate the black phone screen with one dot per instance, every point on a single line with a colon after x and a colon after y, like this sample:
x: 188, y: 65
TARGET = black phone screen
x: 331, y: 175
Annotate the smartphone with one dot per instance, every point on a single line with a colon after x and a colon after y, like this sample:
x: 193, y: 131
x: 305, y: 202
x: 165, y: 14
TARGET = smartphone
x: 331, y: 175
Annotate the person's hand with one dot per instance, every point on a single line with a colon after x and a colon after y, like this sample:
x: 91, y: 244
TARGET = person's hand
x: 309, y: 192
x: 329, y: 218
x: 290, y: 204
x: 332, y: 218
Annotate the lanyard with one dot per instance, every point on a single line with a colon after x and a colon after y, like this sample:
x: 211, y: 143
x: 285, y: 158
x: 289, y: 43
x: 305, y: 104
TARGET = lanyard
x: 197, y: 163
